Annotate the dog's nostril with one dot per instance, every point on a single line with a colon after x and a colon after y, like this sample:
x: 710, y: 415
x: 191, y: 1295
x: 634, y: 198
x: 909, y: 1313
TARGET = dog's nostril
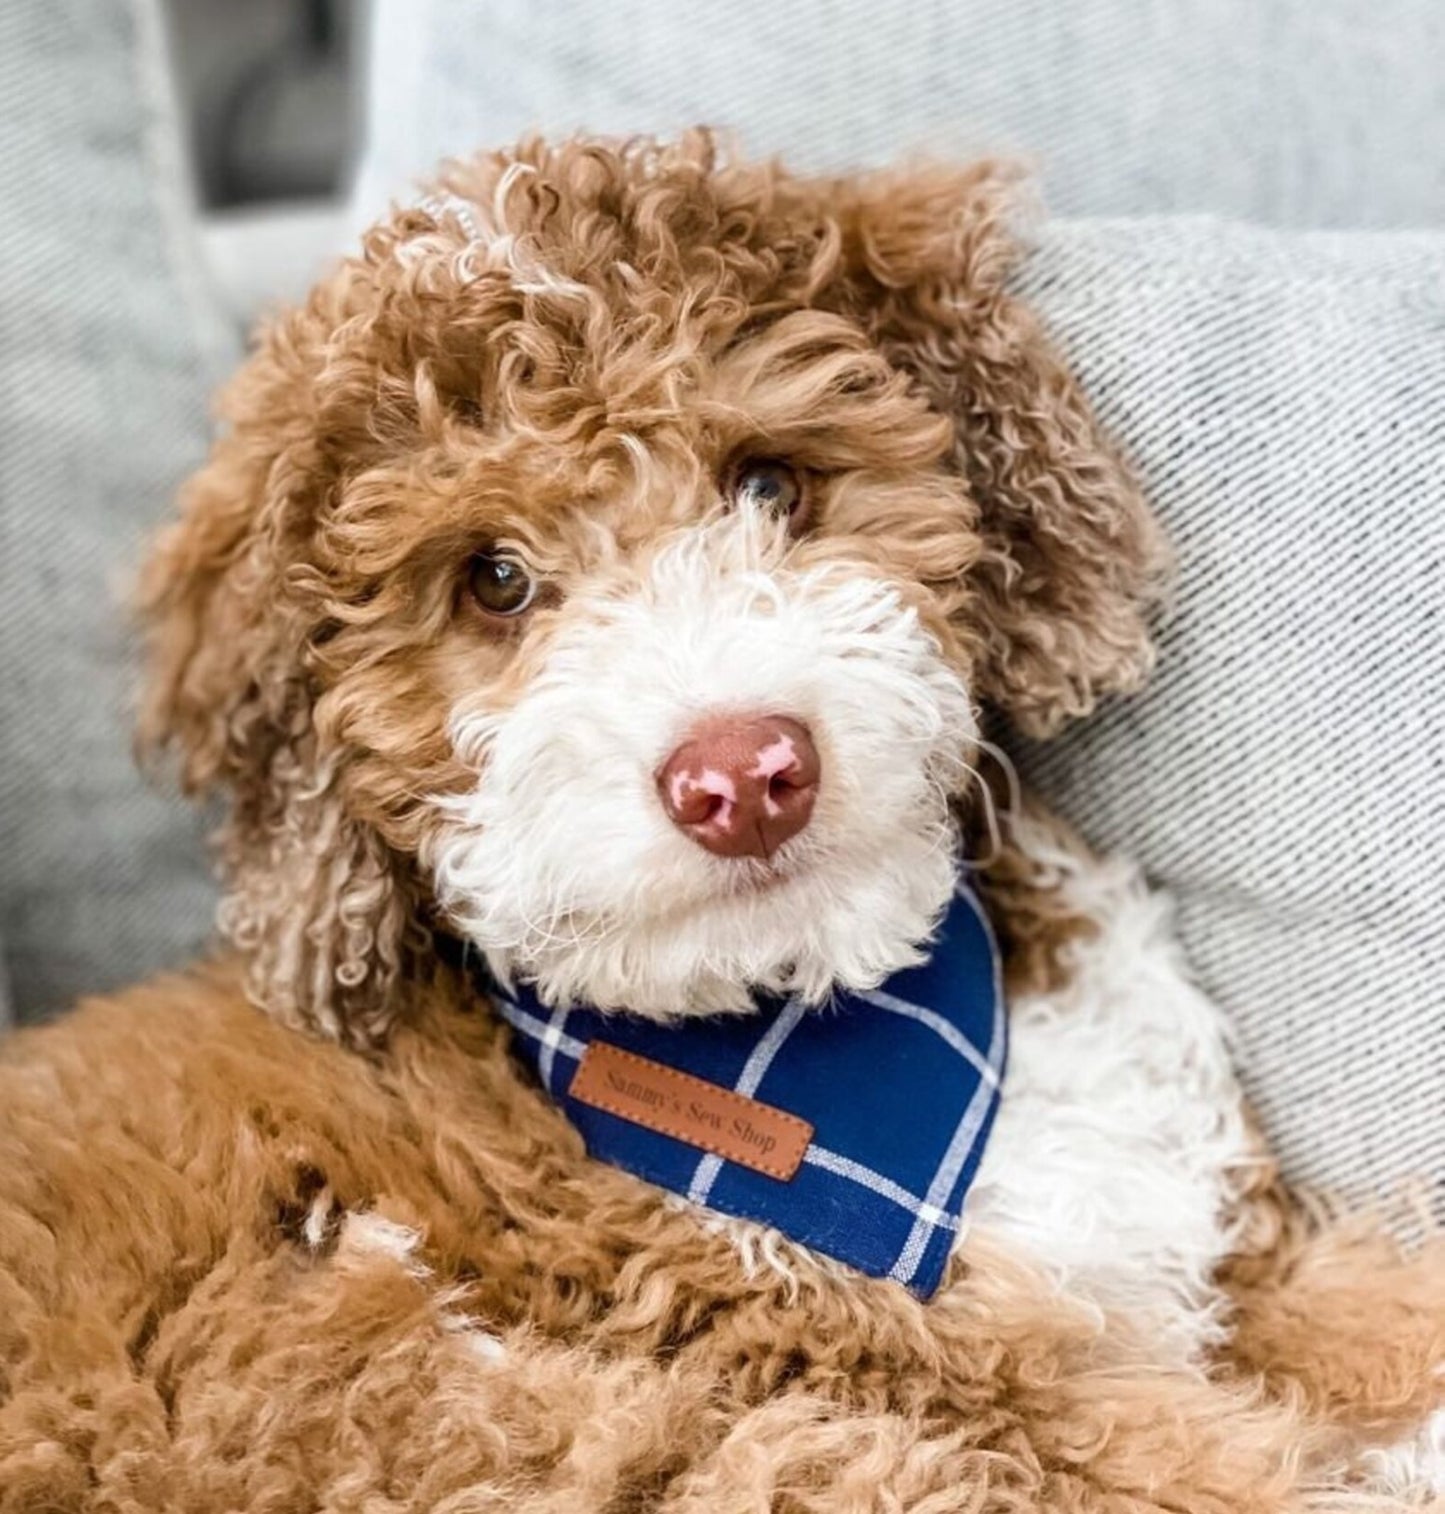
x: 742, y: 787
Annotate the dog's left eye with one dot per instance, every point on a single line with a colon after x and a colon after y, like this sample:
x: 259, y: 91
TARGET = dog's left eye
x: 771, y: 484
x: 500, y: 584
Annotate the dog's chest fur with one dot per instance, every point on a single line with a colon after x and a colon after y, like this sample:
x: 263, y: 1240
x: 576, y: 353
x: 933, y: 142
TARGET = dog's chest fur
x: 1121, y: 1146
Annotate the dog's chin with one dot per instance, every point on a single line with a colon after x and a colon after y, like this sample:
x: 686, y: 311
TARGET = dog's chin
x: 782, y: 929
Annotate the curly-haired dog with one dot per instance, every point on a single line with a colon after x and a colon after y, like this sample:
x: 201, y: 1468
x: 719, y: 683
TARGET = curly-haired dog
x: 602, y: 579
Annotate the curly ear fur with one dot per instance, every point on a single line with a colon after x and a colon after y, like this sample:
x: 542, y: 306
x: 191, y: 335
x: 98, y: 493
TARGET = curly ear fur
x: 316, y: 902
x: 1073, y: 562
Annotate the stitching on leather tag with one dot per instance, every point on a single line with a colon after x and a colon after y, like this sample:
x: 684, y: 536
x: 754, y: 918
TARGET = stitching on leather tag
x: 676, y: 1104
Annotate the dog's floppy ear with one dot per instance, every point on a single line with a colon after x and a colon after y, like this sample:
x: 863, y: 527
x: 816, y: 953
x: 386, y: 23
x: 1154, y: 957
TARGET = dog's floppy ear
x: 314, y: 899
x: 1073, y: 561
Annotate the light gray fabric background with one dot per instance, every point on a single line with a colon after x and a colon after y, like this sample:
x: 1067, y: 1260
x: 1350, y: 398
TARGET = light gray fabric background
x: 1284, y: 777
x: 105, y: 368
x: 1290, y: 112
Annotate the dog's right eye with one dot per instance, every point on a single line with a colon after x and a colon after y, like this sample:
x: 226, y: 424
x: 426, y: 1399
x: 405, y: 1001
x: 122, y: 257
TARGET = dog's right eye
x: 768, y: 482
x: 501, y: 585
x: 773, y: 485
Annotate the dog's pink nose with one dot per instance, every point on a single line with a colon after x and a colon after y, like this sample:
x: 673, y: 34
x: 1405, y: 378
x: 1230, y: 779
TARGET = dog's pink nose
x: 741, y: 787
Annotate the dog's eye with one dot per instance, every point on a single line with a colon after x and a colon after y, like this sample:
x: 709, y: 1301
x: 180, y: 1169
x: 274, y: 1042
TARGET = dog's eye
x: 501, y: 585
x: 771, y: 485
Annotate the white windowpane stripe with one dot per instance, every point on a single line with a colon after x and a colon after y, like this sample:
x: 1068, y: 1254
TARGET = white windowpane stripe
x: 754, y: 1068
x: 960, y: 1147
x: 547, y: 1034
x: 552, y: 1038
x: 846, y: 1167
x: 954, y: 1158
x: 937, y: 1024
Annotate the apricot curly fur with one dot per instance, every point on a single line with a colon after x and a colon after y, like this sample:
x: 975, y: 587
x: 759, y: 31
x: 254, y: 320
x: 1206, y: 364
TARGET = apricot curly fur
x: 173, y: 1337
x: 246, y: 1268
x: 1329, y: 1307
x: 243, y: 1269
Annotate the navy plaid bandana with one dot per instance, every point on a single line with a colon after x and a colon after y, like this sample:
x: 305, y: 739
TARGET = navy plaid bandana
x: 855, y: 1129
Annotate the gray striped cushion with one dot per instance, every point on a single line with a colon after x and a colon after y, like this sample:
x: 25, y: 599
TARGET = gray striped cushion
x: 1285, y: 776
x: 105, y: 368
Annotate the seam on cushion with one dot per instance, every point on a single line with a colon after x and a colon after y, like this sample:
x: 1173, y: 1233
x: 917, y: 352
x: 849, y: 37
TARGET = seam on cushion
x: 1110, y: 278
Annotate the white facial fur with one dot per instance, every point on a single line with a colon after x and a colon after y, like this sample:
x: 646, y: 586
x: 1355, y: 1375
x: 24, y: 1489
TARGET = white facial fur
x: 561, y: 864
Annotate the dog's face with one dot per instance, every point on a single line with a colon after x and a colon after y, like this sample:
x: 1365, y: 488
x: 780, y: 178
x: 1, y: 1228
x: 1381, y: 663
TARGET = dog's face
x: 609, y: 567
x: 711, y: 717
x: 696, y: 654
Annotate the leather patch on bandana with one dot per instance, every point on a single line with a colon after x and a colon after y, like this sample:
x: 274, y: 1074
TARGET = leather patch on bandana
x: 705, y: 1115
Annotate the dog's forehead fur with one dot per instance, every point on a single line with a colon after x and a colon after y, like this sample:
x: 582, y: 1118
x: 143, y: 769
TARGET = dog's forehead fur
x: 597, y: 331
x: 561, y: 353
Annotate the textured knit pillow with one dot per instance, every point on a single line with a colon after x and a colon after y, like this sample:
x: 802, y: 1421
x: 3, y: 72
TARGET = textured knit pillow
x: 103, y: 384
x: 1285, y: 776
